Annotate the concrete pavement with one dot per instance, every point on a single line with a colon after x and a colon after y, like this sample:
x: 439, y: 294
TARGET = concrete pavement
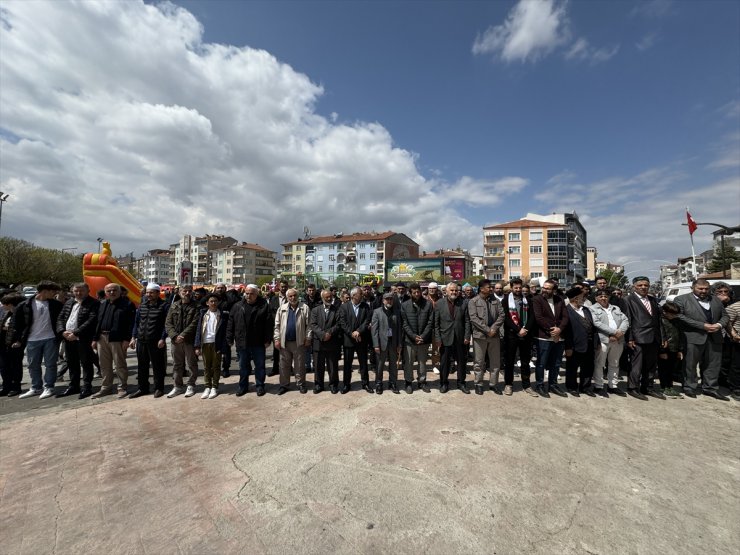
x: 362, y: 473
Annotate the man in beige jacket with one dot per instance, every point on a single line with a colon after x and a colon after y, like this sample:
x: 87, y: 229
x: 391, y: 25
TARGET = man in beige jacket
x: 292, y: 336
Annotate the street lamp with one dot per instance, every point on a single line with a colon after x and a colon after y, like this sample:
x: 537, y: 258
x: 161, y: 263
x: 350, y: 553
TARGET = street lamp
x: 100, y: 241
x: 3, y: 200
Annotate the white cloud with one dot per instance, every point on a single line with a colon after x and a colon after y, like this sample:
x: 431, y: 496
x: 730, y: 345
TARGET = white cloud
x: 646, y: 42
x: 581, y: 50
x: 132, y: 128
x: 640, y: 217
x: 533, y: 29
x: 727, y: 153
x: 653, y: 9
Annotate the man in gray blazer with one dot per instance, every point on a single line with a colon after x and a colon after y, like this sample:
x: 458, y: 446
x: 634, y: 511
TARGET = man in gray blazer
x: 702, y: 317
x: 386, y: 330
x: 486, y: 318
x: 452, y: 331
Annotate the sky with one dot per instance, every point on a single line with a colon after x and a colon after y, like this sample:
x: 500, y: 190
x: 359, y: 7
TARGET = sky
x: 140, y: 122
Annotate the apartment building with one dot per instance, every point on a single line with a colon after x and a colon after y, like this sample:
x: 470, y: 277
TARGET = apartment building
x: 199, y: 251
x: 155, y: 266
x: 357, y: 253
x: 552, y: 246
x: 243, y: 263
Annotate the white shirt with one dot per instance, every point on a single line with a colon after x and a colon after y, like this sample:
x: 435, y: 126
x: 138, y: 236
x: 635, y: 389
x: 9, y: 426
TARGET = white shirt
x: 41, y: 328
x: 705, y: 304
x: 551, y: 302
x: 211, y: 321
x: 73, y: 316
x: 610, y: 315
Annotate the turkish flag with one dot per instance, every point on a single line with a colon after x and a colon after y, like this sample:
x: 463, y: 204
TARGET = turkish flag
x: 691, y: 222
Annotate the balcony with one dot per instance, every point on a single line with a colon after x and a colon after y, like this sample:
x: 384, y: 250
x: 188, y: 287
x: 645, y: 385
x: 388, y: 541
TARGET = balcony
x: 351, y: 256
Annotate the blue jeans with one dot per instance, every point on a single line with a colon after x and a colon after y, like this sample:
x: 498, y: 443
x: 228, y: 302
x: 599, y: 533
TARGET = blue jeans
x: 246, y: 358
x: 49, y: 350
x: 549, y: 356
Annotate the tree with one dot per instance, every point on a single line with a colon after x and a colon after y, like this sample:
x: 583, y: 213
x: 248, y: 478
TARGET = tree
x: 722, y: 260
x: 23, y: 262
x: 613, y: 279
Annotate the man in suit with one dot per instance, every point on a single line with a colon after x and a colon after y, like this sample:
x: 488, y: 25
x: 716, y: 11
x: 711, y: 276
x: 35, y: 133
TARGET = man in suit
x: 77, y: 323
x: 580, y: 338
x: 644, y: 338
x: 386, y: 330
x: 519, y: 324
x: 354, y: 319
x: 703, y: 317
x: 486, y: 319
x: 552, y: 319
x: 326, y: 333
x: 274, y: 304
x: 452, y: 332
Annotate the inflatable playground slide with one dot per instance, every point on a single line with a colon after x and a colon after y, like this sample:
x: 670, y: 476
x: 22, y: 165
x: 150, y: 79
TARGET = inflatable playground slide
x: 100, y: 269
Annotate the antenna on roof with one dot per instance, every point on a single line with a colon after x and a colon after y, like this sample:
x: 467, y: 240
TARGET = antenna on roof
x: 306, y: 232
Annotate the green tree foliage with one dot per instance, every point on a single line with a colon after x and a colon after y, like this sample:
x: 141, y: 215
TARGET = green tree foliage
x: 23, y: 262
x: 614, y: 279
x: 722, y: 260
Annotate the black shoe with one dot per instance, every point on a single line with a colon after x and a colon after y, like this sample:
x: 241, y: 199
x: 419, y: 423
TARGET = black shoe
x: 394, y: 388
x: 260, y: 391
x: 715, y: 395
x: 636, y: 394
x: 424, y: 387
x: 138, y: 393
x: 272, y: 373
x: 656, y: 393
x: 303, y: 390
x: 690, y: 393
x: 85, y: 393
x: 444, y: 388
x: 334, y: 390
x: 573, y: 392
x: 14, y: 392
x: 367, y: 388
x: 225, y: 373
x: 557, y: 391
x: 379, y: 389
x: 409, y: 389
x: 281, y: 391
x: 241, y: 392
x: 589, y: 391
x: 495, y: 389
x: 158, y: 393
x: 601, y: 391
x: 616, y: 391
x: 69, y: 391
x: 478, y: 389
x: 4, y: 392
x: 345, y: 389
x: 541, y: 391
x: 317, y: 389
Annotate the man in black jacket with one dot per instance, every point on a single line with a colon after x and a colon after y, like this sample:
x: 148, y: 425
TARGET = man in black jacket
x: 418, y: 326
x: 180, y: 325
x: 520, y: 324
x: 354, y: 319
x: 34, y: 323
x: 250, y: 327
x: 148, y: 338
x: 276, y: 301
x: 327, y: 341
x: 77, y: 323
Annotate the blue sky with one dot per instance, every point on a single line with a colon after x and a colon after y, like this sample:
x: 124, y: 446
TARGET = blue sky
x: 431, y: 118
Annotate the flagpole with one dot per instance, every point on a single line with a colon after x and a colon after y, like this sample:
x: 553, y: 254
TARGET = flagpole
x: 693, y: 254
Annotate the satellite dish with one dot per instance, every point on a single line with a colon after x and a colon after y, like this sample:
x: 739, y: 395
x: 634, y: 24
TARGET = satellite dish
x: 306, y: 232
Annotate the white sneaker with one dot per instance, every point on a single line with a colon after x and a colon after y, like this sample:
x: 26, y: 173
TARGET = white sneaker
x: 30, y: 393
x: 206, y: 392
x: 214, y: 393
x: 435, y: 370
x: 48, y: 392
x: 174, y: 393
x: 190, y: 391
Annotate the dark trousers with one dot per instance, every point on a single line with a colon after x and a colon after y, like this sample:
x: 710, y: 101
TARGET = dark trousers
x: 459, y: 352
x: 667, y: 368
x: 584, y: 361
x: 326, y: 361
x: 247, y: 356
x: 275, y: 362
x: 522, y: 346
x: 549, y: 357
x: 349, y: 352
x: 226, y: 359
x: 390, y: 355
x: 733, y: 378
x: 11, y: 368
x: 644, y: 365
x: 80, y: 354
x: 147, y: 353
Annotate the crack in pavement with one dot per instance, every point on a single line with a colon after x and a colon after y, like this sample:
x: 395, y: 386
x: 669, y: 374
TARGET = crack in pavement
x: 57, y: 503
x: 244, y: 472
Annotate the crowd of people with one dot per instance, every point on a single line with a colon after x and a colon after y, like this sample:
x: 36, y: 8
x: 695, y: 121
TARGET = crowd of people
x: 693, y: 341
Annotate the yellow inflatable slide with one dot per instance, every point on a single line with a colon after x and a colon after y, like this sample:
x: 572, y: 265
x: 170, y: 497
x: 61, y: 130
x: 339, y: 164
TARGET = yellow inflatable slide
x: 100, y: 269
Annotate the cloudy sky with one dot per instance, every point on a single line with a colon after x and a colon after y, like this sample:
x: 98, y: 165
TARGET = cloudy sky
x: 140, y: 122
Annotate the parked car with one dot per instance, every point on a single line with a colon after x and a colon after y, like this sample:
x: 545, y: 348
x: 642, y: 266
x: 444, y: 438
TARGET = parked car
x: 29, y: 292
x: 680, y: 288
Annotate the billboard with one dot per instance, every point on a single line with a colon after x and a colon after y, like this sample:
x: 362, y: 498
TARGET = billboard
x: 414, y: 270
x: 454, y: 268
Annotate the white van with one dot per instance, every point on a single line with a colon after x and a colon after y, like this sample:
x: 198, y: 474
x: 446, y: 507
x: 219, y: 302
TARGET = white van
x: 681, y: 288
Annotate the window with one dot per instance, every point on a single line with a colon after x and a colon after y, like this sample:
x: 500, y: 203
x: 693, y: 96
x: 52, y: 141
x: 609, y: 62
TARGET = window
x: 535, y: 262
x: 372, y: 267
x: 331, y: 257
x: 331, y: 267
x: 362, y: 268
x: 496, y: 277
x: 535, y: 236
x: 535, y: 274
x: 515, y: 262
x: 297, y: 257
x: 320, y: 258
x: 515, y: 250
x: 515, y: 237
x: 297, y: 268
x: 362, y: 256
x: 371, y: 245
x: 535, y: 249
x: 372, y: 256
x: 321, y: 268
